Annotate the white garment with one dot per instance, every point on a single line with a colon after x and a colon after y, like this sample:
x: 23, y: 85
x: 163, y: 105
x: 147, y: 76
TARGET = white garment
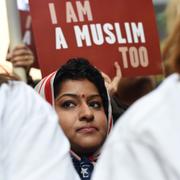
x: 32, y: 145
x: 145, y: 143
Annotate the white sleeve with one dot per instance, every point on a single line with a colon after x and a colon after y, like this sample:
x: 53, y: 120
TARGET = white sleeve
x: 35, y: 148
x: 131, y: 160
x: 144, y: 144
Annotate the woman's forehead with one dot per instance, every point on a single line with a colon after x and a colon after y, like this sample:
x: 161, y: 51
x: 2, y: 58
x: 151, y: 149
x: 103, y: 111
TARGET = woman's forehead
x: 78, y: 86
x: 82, y: 88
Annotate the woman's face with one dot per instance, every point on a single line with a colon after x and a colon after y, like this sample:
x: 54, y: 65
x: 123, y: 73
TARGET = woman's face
x: 82, y: 117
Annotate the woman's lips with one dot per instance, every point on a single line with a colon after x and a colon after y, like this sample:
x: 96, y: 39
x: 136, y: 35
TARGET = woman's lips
x: 87, y: 129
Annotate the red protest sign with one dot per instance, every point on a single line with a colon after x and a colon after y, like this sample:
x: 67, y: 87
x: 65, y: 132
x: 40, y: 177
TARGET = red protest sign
x: 101, y: 31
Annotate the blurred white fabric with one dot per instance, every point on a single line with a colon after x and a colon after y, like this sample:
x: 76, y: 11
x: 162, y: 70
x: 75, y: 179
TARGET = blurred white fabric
x: 32, y: 144
x: 145, y: 143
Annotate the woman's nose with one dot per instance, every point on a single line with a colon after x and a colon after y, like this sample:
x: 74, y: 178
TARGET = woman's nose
x: 86, y: 113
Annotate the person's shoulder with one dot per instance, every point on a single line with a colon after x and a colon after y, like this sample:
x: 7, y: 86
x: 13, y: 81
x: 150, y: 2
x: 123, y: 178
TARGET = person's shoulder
x: 19, y: 92
x: 12, y: 87
x: 18, y: 89
x: 155, y: 110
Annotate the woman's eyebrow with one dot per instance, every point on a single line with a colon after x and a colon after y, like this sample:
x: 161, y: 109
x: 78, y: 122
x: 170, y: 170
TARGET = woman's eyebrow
x: 93, y: 96
x: 89, y: 97
x: 67, y: 94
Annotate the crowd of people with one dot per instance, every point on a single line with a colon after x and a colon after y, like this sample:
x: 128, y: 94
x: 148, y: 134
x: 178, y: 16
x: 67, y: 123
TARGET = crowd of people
x: 78, y: 123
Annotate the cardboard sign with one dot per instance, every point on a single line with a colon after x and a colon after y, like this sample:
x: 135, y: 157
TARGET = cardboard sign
x: 101, y: 31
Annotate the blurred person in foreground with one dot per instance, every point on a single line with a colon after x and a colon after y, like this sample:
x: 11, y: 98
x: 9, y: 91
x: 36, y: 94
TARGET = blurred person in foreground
x: 32, y: 145
x: 144, y: 144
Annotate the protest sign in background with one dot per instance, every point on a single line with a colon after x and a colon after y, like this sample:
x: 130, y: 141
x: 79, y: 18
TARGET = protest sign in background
x: 101, y: 31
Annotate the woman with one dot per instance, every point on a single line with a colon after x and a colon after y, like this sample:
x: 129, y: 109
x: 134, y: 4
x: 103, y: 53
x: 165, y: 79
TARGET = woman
x: 78, y: 93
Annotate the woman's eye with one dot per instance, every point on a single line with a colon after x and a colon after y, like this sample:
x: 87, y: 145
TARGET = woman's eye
x: 68, y: 104
x: 95, y: 104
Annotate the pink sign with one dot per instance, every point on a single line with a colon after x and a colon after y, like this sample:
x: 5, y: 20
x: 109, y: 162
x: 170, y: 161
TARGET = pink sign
x: 101, y: 31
